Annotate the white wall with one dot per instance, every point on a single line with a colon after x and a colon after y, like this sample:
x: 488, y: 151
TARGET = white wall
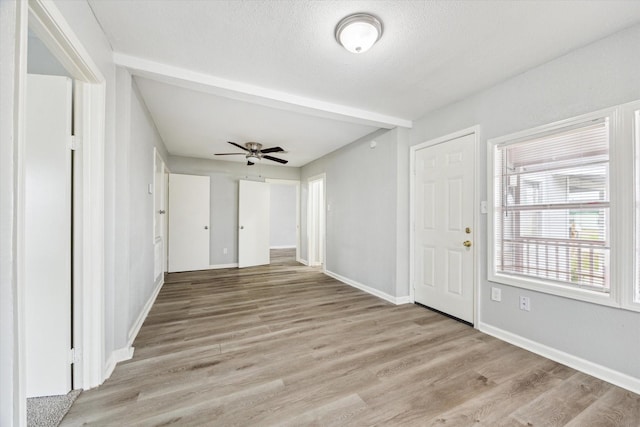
x: 144, y: 137
x: 224, y: 197
x: 283, y: 216
x: 361, y: 191
x: 600, y: 75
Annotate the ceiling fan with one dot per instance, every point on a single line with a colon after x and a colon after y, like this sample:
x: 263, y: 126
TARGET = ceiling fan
x: 254, y: 153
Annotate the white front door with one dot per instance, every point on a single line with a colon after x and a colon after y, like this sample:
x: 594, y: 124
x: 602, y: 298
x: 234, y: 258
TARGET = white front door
x: 253, y: 223
x: 444, y: 219
x: 47, y: 240
x: 188, y: 222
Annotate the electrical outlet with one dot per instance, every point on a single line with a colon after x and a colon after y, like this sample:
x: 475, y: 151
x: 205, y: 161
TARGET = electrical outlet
x: 224, y: 251
x: 525, y: 304
x: 496, y: 294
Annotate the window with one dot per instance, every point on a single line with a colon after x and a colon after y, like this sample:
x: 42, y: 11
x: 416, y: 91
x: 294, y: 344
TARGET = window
x: 552, y: 211
x: 565, y: 208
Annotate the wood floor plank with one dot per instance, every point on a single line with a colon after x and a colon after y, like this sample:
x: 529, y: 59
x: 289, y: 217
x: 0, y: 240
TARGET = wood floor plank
x: 287, y: 345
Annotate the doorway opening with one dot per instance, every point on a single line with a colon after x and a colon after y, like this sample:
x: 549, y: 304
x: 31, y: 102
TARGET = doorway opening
x: 284, y: 219
x: 83, y: 175
x: 316, y: 221
x: 50, y: 168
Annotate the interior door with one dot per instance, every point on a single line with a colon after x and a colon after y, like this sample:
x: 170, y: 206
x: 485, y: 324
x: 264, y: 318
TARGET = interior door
x: 47, y: 239
x: 444, y: 217
x: 189, y: 211
x: 253, y: 223
x: 159, y: 215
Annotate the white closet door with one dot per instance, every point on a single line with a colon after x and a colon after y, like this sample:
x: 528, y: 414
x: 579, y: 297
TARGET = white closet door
x: 47, y: 238
x: 188, y: 222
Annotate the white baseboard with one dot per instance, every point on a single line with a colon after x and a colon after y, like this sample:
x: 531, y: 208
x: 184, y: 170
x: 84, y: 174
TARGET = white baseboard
x: 375, y: 292
x: 606, y: 374
x: 283, y: 247
x: 219, y: 266
x: 403, y: 300
x: 117, y: 356
x: 133, y: 332
x: 126, y: 353
x: 303, y: 261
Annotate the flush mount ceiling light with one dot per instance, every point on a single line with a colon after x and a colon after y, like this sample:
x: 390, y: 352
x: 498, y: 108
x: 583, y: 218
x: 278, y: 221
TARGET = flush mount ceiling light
x: 358, y: 32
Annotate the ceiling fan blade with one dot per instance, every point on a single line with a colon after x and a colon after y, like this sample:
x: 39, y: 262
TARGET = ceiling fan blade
x: 275, y: 159
x: 272, y: 150
x: 238, y: 145
x: 229, y: 154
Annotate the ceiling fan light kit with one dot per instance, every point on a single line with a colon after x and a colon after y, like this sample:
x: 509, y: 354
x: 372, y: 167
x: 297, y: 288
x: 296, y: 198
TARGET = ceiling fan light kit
x: 358, y: 32
x: 254, y: 153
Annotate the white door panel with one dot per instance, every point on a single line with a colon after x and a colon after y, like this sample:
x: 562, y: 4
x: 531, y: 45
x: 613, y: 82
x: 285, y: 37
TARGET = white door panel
x: 47, y: 239
x: 444, y: 198
x: 189, y: 211
x: 253, y: 223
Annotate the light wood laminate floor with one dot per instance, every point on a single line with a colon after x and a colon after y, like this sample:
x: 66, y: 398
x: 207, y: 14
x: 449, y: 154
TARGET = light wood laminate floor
x: 286, y: 345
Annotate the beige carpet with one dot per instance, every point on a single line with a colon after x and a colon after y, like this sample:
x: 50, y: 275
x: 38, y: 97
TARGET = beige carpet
x: 49, y: 411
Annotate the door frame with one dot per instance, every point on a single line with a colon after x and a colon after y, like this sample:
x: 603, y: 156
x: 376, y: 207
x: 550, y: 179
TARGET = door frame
x: 158, y: 161
x: 474, y: 130
x: 47, y: 22
x: 297, y: 185
x: 323, y: 206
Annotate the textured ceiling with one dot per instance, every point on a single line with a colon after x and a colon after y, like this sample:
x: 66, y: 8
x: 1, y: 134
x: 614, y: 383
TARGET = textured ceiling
x: 431, y: 53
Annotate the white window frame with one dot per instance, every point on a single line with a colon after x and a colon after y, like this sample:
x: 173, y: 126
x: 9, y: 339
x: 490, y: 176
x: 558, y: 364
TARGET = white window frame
x: 621, y: 265
x: 630, y: 137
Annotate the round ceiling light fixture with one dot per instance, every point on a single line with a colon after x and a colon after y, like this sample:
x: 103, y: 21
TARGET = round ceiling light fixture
x: 358, y: 32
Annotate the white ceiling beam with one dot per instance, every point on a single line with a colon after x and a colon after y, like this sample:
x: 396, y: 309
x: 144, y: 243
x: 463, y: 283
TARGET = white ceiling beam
x: 207, y: 83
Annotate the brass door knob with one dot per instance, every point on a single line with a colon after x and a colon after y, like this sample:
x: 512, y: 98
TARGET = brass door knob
x: 467, y: 243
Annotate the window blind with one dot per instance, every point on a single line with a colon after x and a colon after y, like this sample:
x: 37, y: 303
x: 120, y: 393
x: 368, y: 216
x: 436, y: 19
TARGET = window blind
x: 552, y: 206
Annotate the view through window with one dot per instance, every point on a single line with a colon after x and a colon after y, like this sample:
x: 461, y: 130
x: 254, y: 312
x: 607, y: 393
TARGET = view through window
x: 552, y: 206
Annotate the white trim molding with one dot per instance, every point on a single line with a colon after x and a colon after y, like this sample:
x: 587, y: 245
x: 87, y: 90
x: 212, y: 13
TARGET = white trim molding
x: 368, y: 289
x: 117, y: 356
x: 135, y: 328
x: 606, y: 374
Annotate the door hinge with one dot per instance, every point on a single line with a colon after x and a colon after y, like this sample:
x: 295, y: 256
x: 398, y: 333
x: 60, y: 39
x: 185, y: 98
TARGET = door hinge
x: 75, y: 142
x: 75, y: 356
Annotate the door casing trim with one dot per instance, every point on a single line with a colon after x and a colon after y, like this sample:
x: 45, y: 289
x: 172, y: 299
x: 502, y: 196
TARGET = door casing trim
x: 50, y: 26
